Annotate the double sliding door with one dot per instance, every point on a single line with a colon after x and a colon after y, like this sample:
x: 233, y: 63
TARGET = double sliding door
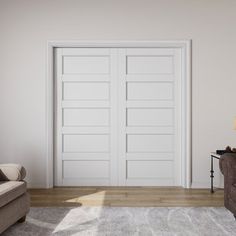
x: 117, y: 116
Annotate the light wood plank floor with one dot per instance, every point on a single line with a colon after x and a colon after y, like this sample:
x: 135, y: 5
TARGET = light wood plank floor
x: 125, y: 196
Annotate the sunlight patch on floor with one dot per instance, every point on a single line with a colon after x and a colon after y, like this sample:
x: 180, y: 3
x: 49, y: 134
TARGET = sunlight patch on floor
x: 98, y: 196
x: 73, y: 222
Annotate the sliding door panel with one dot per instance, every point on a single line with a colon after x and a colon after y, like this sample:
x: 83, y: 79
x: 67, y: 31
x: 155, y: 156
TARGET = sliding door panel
x: 148, y: 108
x: 86, y: 110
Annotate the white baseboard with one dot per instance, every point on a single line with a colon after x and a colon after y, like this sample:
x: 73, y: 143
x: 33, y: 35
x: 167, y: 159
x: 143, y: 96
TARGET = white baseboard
x: 36, y: 185
x: 200, y: 185
x: 194, y: 184
x: 206, y: 185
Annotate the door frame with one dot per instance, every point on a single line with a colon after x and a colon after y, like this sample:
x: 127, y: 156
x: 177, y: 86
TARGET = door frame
x: 186, y: 99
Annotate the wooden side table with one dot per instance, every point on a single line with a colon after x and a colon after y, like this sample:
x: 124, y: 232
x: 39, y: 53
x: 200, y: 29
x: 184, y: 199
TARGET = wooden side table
x: 216, y: 156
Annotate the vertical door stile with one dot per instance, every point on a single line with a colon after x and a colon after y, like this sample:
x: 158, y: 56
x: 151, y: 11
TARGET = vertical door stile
x: 122, y: 117
x: 178, y: 117
x: 58, y: 131
x: 114, y: 117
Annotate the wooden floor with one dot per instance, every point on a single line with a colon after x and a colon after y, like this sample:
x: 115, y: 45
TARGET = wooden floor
x: 125, y: 196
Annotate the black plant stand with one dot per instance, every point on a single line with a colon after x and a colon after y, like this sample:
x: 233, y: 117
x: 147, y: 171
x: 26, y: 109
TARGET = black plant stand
x: 216, y: 156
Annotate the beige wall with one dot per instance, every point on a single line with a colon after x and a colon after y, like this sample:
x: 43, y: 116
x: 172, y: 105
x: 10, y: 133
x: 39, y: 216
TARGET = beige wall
x: 25, y: 27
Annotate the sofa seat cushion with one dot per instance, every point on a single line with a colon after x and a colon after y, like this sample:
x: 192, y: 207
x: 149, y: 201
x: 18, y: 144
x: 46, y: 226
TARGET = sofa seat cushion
x: 10, y: 190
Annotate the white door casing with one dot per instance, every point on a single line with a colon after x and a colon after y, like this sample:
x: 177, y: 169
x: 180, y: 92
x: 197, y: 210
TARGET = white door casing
x: 122, y: 115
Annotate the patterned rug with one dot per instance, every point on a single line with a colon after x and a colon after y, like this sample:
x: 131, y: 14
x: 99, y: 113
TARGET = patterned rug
x: 126, y: 221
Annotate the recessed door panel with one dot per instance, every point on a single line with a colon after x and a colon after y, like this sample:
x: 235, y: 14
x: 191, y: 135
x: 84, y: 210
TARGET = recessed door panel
x: 150, y: 143
x: 149, y: 169
x: 86, y: 64
x: 86, y: 91
x: 85, y: 143
x: 149, y: 91
x: 153, y: 64
x: 150, y: 117
x: 86, y: 169
x: 86, y: 117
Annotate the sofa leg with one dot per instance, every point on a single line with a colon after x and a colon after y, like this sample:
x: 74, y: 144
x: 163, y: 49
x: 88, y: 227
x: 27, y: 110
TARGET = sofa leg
x: 22, y: 219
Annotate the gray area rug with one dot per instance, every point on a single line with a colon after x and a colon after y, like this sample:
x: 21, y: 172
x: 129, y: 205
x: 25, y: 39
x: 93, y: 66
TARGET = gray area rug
x: 125, y: 221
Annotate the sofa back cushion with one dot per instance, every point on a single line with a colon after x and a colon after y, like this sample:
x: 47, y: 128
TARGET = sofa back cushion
x: 12, y: 172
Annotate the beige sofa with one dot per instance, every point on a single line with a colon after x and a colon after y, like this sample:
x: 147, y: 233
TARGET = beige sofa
x: 14, y: 199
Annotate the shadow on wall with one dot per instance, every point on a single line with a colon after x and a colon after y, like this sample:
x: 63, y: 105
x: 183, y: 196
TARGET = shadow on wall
x: 32, y: 161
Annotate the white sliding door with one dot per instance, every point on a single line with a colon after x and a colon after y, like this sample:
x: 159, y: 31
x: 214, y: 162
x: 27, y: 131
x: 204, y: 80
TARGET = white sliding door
x: 149, y: 137
x: 86, y: 118
x: 117, y: 113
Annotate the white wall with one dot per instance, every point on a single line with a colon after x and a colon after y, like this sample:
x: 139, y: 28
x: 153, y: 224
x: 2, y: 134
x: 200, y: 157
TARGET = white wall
x: 26, y: 25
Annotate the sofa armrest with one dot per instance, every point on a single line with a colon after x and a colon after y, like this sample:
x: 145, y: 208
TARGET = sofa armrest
x: 13, y: 172
x: 228, y: 167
